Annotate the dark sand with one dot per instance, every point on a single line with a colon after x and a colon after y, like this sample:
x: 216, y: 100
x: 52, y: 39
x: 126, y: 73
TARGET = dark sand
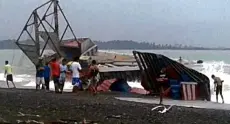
x: 102, y: 109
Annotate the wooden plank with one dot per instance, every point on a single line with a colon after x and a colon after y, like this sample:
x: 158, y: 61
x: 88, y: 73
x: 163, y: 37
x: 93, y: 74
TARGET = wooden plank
x: 125, y: 63
x: 103, y: 57
x: 114, y: 69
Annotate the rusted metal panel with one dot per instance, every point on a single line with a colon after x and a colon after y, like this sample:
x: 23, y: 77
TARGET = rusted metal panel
x: 129, y: 75
x: 150, y: 65
x: 118, y: 69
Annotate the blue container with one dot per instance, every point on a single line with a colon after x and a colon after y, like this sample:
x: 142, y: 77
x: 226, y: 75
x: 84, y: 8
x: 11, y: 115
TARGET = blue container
x: 175, y: 91
x: 174, y: 82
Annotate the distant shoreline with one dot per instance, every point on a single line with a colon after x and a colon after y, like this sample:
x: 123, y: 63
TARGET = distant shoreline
x: 125, y: 45
x: 172, y: 49
x: 142, y: 49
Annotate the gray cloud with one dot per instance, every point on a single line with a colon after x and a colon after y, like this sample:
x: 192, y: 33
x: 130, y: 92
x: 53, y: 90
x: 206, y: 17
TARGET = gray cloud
x: 190, y: 22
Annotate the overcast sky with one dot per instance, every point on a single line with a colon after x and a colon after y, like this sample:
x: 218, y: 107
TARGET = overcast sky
x: 191, y: 22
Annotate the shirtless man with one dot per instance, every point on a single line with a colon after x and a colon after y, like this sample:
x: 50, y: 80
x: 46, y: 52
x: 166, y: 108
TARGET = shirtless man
x: 94, y: 75
x: 218, y: 84
x: 162, y: 79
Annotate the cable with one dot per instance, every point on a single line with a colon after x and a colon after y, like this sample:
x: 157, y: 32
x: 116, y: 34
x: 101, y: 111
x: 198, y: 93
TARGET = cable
x: 12, y: 61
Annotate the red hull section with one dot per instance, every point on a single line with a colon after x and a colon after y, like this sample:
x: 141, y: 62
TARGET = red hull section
x: 105, y: 86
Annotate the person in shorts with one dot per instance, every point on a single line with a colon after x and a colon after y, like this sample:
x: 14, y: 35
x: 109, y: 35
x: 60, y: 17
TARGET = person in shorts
x: 93, y: 76
x: 40, y: 75
x: 8, y: 74
x: 63, y: 70
x: 162, y: 83
x: 218, y: 85
x: 55, y: 73
x: 75, y: 68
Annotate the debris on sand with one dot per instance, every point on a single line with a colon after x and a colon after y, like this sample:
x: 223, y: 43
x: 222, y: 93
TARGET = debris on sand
x: 22, y: 114
x: 164, y: 109
x: 29, y: 122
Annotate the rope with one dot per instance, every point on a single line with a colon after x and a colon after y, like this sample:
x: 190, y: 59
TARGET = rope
x: 28, y: 37
x: 12, y: 61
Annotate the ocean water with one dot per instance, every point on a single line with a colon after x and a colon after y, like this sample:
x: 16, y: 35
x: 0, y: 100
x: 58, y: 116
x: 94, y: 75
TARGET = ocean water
x: 215, y: 62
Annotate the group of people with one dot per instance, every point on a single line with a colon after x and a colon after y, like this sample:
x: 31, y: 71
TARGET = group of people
x: 58, y: 73
x: 44, y: 73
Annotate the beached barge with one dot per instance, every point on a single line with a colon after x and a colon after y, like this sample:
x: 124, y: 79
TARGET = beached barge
x: 150, y: 65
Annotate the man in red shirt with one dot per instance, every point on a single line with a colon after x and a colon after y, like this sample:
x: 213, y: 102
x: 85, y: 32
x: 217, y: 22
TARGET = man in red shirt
x: 55, y: 72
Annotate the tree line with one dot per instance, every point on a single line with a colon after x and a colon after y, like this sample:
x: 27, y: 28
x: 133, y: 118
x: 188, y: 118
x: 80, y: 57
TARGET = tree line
x: 129, y: 44
x: 125, y: 44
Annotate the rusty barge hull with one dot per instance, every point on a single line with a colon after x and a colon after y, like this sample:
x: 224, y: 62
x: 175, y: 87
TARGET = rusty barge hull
x: 150, y: 65
x: 126, y: 73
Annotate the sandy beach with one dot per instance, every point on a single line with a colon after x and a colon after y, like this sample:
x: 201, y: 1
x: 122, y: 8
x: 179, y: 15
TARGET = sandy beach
x: 20, y: 106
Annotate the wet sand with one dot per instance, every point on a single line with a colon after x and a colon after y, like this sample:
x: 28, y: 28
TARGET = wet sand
x: 19, y: 105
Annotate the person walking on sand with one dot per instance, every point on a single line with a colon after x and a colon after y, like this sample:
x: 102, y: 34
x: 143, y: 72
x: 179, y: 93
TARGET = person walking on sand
x: 75, y: 69
x: 162, y: 81
x: 218, y: 85
x: 93, y: 75
x: 47, y: 76
x: 63, y: 70
x: 55, y: 72
x: 8, y: 74
x: 40, y: 75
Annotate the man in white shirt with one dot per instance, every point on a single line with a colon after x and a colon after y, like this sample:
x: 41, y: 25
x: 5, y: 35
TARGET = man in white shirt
x: 63, y: 71
x: 75, y: 69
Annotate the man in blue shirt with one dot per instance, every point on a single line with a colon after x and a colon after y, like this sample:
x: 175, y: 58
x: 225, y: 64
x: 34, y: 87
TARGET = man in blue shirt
x: 39, y: 74
x: 47, y: 76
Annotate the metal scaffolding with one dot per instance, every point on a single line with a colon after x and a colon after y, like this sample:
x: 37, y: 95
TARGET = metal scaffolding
x: 33, y: 47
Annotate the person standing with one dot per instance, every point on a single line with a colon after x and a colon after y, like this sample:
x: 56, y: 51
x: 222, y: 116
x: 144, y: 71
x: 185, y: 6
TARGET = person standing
x: 180, y: 60
x: 93, y: 76
x: 8, y: 74
x: 75, y: 69
x: 63, y: 70
x: 47, y: 76
x: 162, y: 82
x: 55, y: 73
x: 40, y: 75
x: 218, y: 85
